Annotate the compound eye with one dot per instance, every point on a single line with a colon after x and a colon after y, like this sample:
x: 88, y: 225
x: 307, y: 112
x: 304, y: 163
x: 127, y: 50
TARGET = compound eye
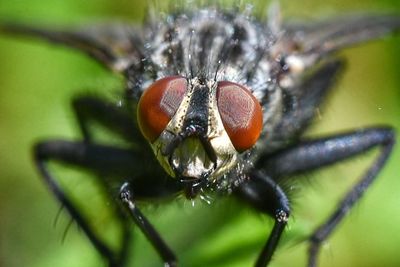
x: 158, y: 104
x: 241, y: 114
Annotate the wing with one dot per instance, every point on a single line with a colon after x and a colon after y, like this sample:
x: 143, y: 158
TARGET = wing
x: 335, y: 34
x: 309, y: 43
x: 309, y: 68
x: 116, y: 46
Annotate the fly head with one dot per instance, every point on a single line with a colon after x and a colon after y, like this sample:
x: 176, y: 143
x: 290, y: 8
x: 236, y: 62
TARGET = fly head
x: 198, y: 128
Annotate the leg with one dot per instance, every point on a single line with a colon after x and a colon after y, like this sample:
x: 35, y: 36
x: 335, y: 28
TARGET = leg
x: 126, y: 196
x: 265, y: 194
x: 80, y: 154
x: 89, y: 108
x: 310, y: 155
x: 100, y: 159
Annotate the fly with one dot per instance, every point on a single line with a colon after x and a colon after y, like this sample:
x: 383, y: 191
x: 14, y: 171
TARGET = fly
x: 222, y: 98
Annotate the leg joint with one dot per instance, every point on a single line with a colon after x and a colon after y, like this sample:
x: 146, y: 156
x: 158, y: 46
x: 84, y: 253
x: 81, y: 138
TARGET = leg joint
x: 282, y: 216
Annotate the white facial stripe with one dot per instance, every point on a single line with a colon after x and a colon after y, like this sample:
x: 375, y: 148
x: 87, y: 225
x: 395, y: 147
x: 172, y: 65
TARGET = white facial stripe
x: 190, y: 157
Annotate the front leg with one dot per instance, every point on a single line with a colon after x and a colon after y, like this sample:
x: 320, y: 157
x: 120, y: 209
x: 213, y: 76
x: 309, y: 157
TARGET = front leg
x: 263, y: 193
x: 126, y: 196
x: 95, y: 158
x: 110, y: 163
x: 313, y: 154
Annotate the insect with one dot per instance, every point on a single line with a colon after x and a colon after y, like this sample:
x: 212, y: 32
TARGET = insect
x: 223, y: 100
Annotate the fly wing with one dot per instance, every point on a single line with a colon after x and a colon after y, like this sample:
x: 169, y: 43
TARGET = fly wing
x: 335, y: 34
x: 115, y: 46
x: 317, y: 40
x: 309, y: 66
x: 303, y: 49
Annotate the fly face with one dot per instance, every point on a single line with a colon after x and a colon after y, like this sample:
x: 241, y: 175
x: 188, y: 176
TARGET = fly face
x: 198, y: 128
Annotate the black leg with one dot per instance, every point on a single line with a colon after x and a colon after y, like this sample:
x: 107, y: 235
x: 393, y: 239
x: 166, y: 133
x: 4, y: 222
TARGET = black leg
x: 265, y: 194
x: 118, y: 120
x: 78, y: 154
x: 107, y: 162
x: 313, y: 154
x: 145, y: 226
x: 101, y: 159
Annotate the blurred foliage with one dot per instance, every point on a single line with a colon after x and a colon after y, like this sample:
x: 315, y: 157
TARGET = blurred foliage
x: 37, y: 81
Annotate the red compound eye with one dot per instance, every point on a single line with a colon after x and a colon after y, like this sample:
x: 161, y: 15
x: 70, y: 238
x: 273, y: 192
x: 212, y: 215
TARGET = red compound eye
x: 241, y: 114
x: 158, y: 105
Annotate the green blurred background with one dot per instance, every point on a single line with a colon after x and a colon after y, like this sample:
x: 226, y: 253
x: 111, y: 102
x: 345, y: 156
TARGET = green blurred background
x: 38, y: 80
